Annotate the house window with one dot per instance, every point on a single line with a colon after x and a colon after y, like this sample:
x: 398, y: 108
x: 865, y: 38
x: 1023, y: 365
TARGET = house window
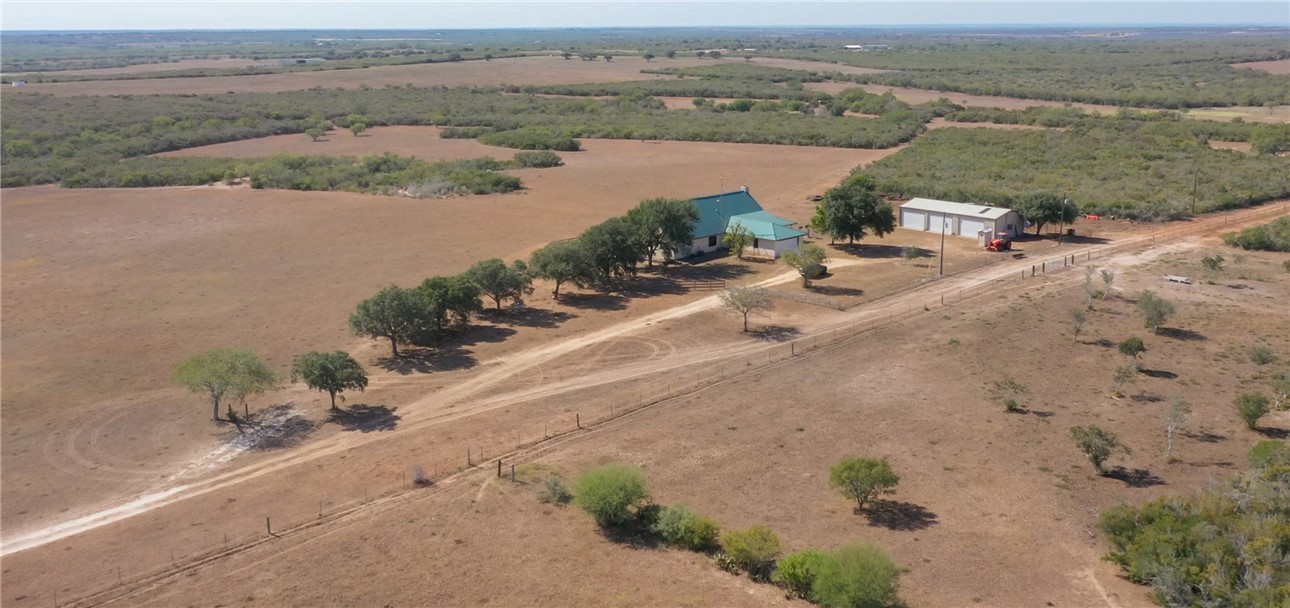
x: 712, y: 241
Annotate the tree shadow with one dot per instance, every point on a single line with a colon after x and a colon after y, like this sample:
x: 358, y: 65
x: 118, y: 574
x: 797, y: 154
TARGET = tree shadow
x: 1274, y: 433
x: 424, y: 360
x: 1137, y: 478
x: 635, y: 532
x: 648, y: 286
x: 1146, y: 398
x: 366, y: 418
x: 775, y: 333
x: 1084, y: 240
x: 1205, y: 437
x: 829, y: 290
x: 477, y: 334
x: 721, y: 271
x: 534, y: 317
x: 875, y: 251
x: 896, y: 515
x: 1103, y: 342
x: 1213, y: 463
x: 1158, y: 373
x: 594, y: 301
x: 1182, y: 334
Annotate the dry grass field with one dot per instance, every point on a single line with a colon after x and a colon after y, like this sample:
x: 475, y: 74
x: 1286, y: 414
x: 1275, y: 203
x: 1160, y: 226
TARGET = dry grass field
x: 105, y: 290
x: 169, y: 66
x: 1277, y: 66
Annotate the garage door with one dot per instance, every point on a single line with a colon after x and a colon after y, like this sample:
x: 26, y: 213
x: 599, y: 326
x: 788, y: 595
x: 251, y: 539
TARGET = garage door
x: 935, y: 220
x: 912, y: 219
x: 969, y: 227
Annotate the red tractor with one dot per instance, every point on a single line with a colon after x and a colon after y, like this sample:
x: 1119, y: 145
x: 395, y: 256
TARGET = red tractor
x: 1002, y: 243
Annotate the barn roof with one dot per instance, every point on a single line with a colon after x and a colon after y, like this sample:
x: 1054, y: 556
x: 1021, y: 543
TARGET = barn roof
x: 766, y: 226
x: 947, y: 207
x: 715, y: 211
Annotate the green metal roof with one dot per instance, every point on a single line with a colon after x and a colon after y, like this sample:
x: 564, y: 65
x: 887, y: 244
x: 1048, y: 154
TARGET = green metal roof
x: 715, y: 211
x: 775, y: 229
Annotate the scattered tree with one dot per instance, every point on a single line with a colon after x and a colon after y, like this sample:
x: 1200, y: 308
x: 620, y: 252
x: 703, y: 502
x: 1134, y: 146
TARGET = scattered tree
x: 1090, y: 291
x: 1213, y: 263
x: 233, y: 372
x: 1155, y: 310
x: 611, y: 493
x: 1123, y: 375
x: 853, y: 210
x: 862, y: 479
x: 614, y: 247
x: 1174, y: 423
x: 753, y: 549
x: 648, y: 57
x: 488, y: 57
x: 1251, y: 407
x: 744, y: 300
x: 670, y: 54
x: 566, y: 55
x: 679, y: 526
x: 714, y: 54
x: 1098, y: 445
x: 442, y: 302
x: 608, y: 57
x: 357, y: 127
x: 666, y: 225
x: 1078, y: 318
x: 856, y: 576
x: 315, y: 133
x: 737, y: 238
x: 796, y: 572
x: 392, y: 314
x: 1108, y: 280
x: 333, y: 372
x: 560, y: 262
x: 808, y: 257
x: 1132, y: 347
x: 499, y: 282
x: 1042, y: 208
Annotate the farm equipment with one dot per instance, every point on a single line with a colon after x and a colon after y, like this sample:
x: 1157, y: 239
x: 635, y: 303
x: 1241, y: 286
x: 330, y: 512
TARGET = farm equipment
x: 999, y: 244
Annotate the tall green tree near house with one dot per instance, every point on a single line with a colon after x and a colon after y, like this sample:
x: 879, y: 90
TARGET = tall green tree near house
x: 853, y: 210
x: 614, y: 248
x: 666, y: 225
x: 806, y: 258
x: 737, y: 238
x: 1043, y: 208
x: 332, y: 373
x: 500, y: 282
x: 225, y: 372
x: 561, y: 262
x: 393, y: 313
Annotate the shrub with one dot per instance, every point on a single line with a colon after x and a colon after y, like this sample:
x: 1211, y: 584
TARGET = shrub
x: 1098, y: 445
x: 1155, y: 310
x: 679, y: 526
x: 1269, y: 453
x: 540, y: 159
x: 862, y: 479
x: 419, y: 476
x: 753, y: 549
x: 554, y: 491
x: 611, y: 493
x: 1262, y: 355
x: 1251, y: 407
x: 797, y: 571
x: 531, y: 138
x: 856, y: 576
x: 1213, y: 263
x: 1274, y: 236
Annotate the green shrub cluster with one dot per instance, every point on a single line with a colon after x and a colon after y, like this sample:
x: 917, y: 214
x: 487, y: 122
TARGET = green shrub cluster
x: 678, y: 525
x: 538, y: 160
x: 740, y: 71
x: 1227, y: 546
x: 379, y: 174
x: 1173, y: 73
x: 1273, y: 236
x: 531, y: 138
x: 1104, y: 168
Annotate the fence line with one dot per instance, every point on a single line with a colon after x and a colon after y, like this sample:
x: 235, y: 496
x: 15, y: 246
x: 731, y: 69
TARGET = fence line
x: 524, y: 443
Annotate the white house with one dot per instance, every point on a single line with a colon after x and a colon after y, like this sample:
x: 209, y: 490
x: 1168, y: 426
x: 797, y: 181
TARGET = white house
x: 959, y: 219
x: 772, y: 235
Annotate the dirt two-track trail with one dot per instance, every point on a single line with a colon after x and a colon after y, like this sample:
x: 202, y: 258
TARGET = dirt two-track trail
x: 471, y: 396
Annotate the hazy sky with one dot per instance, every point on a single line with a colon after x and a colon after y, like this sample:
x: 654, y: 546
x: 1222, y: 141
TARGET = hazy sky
x: 227, y: 14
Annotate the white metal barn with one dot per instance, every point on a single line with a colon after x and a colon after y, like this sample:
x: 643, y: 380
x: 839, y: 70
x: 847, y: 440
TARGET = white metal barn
x: 959, y: 219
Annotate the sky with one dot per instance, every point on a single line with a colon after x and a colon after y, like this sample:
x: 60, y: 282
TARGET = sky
x: 482, y: 14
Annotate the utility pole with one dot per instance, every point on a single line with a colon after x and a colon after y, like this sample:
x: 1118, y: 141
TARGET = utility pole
x: 1195, y: 181
x: 942, y: 256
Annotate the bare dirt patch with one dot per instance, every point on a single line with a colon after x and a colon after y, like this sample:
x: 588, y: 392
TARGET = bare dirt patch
x: 923, y: 96
x: 941, y: 123
x: 518, y: 70
x: 1276, y: 66
x: 1238, y: 146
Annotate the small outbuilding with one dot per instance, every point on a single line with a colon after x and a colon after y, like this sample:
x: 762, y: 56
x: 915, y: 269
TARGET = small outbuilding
x: 772, y: 235
x: 959, y: 219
